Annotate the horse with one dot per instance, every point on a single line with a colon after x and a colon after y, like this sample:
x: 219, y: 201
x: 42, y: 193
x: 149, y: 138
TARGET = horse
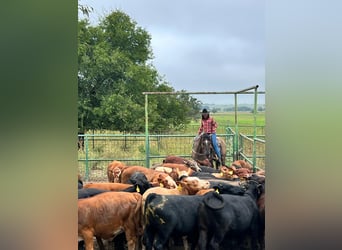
x: 204, y: 153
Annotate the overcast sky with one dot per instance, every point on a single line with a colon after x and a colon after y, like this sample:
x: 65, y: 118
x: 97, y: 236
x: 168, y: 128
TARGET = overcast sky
x: 201, y: 45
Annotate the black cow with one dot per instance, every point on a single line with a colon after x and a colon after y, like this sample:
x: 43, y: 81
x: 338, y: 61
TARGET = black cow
x: 261, y: 207
x: 226, y: 188
x: 80, y: 184
x: 223, y: 216
x: 209, y: 169
x: 170, y: 215
x: 203, y: 175
x: 80, y: 142
x: 139, y: 180
x: 89, y: 192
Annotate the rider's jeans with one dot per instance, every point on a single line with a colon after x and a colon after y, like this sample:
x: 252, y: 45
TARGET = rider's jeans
x: 216, y: 147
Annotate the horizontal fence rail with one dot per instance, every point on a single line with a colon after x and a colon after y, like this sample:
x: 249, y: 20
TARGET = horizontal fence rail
x: 96, y: 151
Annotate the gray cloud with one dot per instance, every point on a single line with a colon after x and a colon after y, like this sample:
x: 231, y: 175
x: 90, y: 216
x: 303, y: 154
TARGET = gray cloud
x: 209, y: 45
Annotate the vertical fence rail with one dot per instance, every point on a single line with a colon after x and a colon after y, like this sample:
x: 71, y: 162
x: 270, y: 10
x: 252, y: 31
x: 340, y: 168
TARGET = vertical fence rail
x: 147, y: 138
x: 86, y: 158
x: 255, y: 128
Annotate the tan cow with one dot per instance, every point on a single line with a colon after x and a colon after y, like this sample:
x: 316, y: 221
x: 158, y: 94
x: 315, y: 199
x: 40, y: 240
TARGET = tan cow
x: 172, y: 168
x: 179, y: 160
x: 153, y: 176
x: 114, y: 170
x: 187, y: 186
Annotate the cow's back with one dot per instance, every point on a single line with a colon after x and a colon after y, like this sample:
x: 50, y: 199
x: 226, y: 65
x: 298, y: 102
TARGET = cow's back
x: 127, y: 172
x: 107, y: 186
x: 167, y: 215
x: 104, y: 215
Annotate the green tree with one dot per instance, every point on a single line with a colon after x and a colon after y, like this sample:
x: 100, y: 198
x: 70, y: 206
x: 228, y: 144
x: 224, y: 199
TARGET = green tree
x: 114, y: 69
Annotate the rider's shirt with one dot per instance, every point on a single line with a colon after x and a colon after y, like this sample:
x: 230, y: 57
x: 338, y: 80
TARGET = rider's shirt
x: 208, y: 126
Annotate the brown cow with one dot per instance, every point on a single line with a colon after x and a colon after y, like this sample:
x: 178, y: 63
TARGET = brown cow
x: 204, y: 162
x: 242, y: 164
x: 169, y: 168
x: 107, y: 186
x: 244, y: 169
x: 179, y: 160
x: 204, y: 191
x: 114, y: 171
x: 187, y: 186
x: 152, y: 176
x: 261, y: 172
x: 107, y: 214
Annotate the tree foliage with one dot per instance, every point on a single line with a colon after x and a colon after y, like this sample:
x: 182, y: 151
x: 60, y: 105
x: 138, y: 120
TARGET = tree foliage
x: 114, y: 68
x: 85, y: 10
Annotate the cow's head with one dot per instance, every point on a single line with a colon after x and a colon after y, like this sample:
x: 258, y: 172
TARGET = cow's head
x: 183, y: 173
x: 140, y: 180
x: 116, y: 173
x: 192, y: 164
x: 194, y: 184
x: 166, y: 181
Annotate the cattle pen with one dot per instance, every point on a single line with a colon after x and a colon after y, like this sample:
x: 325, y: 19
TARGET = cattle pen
x: 96, y: 151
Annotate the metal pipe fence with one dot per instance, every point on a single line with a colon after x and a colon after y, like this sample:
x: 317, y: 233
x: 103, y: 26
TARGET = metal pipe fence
x: 96, y: 151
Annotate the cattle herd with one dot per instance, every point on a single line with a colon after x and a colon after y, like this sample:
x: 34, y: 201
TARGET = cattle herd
x: 176, y: 204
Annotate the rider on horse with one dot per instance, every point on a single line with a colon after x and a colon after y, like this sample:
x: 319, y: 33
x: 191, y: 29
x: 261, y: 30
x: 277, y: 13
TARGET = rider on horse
x: 209, y: 125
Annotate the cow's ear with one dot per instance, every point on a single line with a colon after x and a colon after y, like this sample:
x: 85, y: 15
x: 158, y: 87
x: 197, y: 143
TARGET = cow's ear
x: 178, y: 172
x: 137, y: 189
x: 259, y: 189
x: 181, y: 183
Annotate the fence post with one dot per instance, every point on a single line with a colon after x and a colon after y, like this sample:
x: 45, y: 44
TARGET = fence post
x: 86, y: 158
x: 147, y: 143
x: 254, y: 132
x: 236, y: 143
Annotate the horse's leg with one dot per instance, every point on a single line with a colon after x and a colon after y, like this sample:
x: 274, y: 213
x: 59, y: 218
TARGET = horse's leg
x: 214, y: 159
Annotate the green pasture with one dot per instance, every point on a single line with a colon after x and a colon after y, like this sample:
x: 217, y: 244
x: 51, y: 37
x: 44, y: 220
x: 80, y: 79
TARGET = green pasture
x: 245, y: 121
x: 224, y: 119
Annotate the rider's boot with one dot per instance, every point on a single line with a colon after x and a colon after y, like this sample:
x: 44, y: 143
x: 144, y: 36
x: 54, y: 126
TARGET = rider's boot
x: 219, y: 163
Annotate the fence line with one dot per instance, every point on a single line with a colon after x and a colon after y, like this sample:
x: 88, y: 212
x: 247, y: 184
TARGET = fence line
x: 99, y: 150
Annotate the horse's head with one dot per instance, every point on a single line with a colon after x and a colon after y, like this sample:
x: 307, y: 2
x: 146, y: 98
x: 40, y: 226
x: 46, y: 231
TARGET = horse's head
x: 205, y: 144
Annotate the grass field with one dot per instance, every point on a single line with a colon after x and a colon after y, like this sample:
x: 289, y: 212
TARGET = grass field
x: 227, y: 119
x: 244, y: 119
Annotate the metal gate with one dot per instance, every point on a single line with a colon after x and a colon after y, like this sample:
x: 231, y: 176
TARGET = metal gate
x: 98, y: 150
